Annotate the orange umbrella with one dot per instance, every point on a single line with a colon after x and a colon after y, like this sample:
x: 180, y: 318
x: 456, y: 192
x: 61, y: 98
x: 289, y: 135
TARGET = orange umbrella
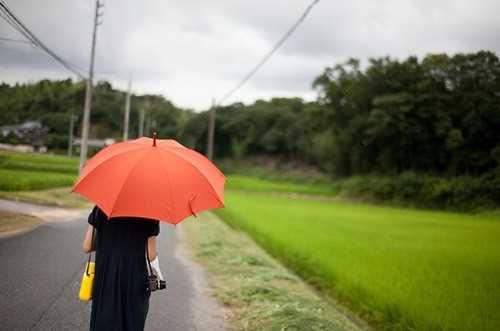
x: 150, y: 178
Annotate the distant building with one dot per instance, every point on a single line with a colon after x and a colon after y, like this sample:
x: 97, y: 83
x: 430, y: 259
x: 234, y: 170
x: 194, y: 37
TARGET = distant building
x: 19, y: 148
x: 7, y: 130
x: 96, y: 142
x: 23, y: 129
x: 29, y: 132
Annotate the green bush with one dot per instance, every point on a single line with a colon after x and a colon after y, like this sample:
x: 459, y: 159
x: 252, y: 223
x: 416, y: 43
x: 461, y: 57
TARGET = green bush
x: 464, y: 193
x: 55, y: 140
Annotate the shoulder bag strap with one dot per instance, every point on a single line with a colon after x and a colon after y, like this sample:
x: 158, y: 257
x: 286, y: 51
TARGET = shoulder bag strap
x: 90, y: 253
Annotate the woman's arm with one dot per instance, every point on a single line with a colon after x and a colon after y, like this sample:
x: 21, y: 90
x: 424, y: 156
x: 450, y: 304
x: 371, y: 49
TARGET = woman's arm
x: 152, y: 248
x: 87, y: 245
x: 153, y: 257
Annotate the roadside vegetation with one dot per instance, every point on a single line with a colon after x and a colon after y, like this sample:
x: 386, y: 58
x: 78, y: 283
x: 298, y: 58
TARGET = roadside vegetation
x: 259, y: 293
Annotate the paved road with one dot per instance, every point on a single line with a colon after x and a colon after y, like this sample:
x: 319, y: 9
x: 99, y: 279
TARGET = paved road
x: 41, y: 271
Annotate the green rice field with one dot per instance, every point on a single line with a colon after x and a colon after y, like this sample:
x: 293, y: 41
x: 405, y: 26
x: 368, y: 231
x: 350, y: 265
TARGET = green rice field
x: 241, y: 182
x: 21, y: 180
x: 39, y: 162
x: 24, y: 172
x: 401, y: 269
x: 21, y: 172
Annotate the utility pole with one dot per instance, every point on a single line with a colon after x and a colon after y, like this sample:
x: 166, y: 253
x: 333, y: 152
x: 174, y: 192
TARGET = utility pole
x: 153, y: 127
x: 141, y: 122
x: 142, y: 114
x: 127, y: 110
x: 211, y: 129
x: 72, y: 118
x: 88, y: 93
x: 147, y: 123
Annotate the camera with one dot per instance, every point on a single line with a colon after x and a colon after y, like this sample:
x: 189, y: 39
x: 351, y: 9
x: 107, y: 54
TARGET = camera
x: 153, y: 283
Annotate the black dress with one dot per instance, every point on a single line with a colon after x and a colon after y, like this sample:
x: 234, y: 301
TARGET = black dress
x: 120, y: 301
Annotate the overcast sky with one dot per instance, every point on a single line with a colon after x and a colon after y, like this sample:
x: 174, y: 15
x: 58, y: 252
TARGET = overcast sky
x: 191, y: 51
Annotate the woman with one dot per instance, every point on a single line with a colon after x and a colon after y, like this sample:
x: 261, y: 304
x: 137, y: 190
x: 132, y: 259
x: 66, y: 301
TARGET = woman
x: 120, y: 300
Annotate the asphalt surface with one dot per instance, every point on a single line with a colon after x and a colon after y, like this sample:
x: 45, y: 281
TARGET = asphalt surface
x: 41, y: 271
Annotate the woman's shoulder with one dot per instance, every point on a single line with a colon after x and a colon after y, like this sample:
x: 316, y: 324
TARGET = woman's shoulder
x: 153, y: 228
x: 96, y: 216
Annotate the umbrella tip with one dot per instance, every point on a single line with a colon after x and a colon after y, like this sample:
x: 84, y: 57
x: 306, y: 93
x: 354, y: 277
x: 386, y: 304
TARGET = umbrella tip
x: 154, y: 138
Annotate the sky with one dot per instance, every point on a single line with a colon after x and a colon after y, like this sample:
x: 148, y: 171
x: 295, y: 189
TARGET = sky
x: 194, y: 51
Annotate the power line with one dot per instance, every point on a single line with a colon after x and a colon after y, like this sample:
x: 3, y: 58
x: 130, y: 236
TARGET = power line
x: 270, y: 53
x: 13, y: 24
x: 18, y: 25
x: 14, y: 40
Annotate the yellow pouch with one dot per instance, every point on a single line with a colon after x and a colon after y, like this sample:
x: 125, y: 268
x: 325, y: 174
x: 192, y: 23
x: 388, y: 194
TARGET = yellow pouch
x: 87, y: 282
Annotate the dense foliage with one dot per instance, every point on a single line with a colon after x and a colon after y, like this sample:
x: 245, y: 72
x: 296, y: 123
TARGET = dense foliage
x: 438, y: 115
x: 53, y: 102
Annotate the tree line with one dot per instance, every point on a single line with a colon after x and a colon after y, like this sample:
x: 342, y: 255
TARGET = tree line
x: 438, y: 115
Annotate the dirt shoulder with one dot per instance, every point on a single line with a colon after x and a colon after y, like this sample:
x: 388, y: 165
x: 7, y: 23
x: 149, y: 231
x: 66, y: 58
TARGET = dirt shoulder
x: 58, y: 197
x: 257, y: 292
x: 18, y: 217
x: 12, y: 223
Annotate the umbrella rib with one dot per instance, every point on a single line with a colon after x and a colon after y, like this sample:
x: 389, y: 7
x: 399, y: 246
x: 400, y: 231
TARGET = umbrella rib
x: 169, y: 185
x: 79, y: 180
x: 202, y: 175
x: 123, y: 184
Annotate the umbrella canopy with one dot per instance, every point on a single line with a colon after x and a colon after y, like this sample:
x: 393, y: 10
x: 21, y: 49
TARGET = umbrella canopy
x: 151, y: 178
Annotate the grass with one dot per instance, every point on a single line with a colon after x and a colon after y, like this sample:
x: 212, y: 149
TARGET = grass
x: 401, y: 269
x: 247, y: 183
x: 39, y: 178
x: 14, y: 221
x: 59, y: 197
x: 26, y: 172
x: 22, y: 180
x: 38, y: 162
x: 259, y: 293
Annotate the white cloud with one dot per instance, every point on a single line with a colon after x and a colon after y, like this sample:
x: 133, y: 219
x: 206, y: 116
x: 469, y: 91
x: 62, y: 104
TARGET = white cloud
x: 192, y: 51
